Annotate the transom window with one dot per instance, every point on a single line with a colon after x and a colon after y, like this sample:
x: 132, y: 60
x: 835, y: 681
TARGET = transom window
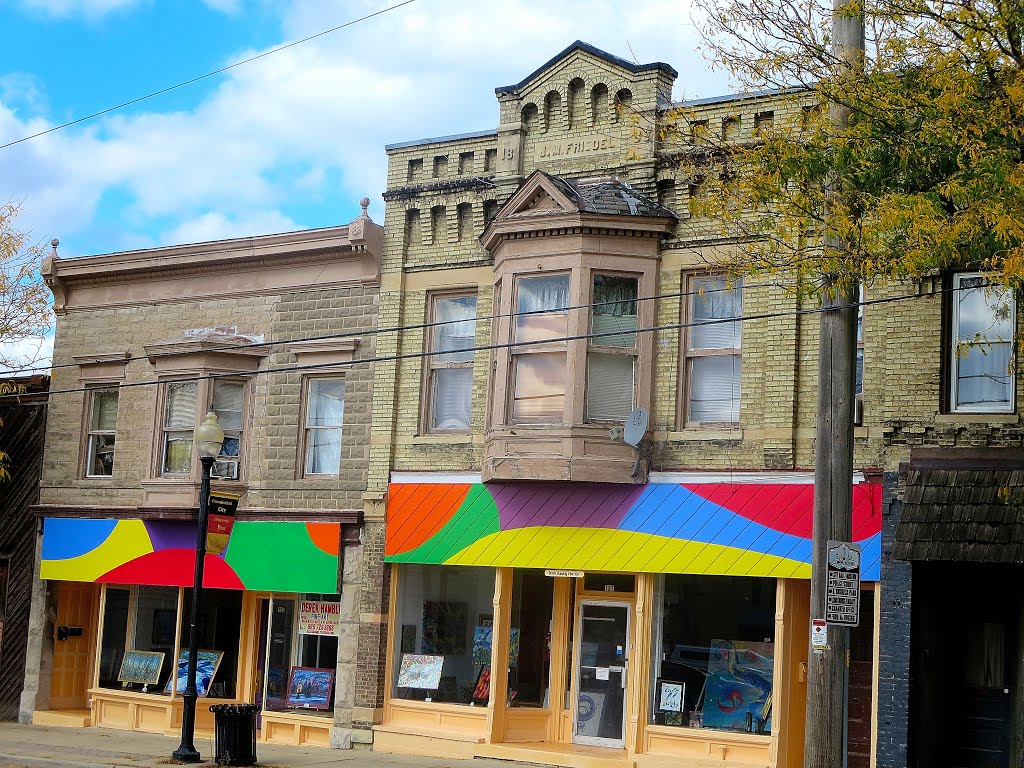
x: 983, y: 321
x: 325, y: 412
x: 540, y: 369
x: 713, y: 341
x: 450, y: 366
x: 102, y: 432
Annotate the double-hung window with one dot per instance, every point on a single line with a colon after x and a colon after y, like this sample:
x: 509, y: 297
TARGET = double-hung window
x: 226, y: 398
x: 228, y: 402
x: 981, y: 370
x: 178, y: 425
x: 102, y: 432
x: 325, y: 414
x: 713, y: 342
x: 611, y: 358
x: 450, y: 363
x: 540, y: 368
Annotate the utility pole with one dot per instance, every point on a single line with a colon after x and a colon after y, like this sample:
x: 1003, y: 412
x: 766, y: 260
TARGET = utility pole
x: 824, y: 738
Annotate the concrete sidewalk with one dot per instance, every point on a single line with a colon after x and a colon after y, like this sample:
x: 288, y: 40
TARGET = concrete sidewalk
x: 34, y: 746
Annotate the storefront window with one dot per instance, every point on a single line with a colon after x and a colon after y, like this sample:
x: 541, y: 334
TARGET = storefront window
x: 219, y: 634
x: 529, y: 653
x: 138, y: 623
x: 444, y: 622
x: 113, y: 642
x: 302, y: 656
x: 714, y: 652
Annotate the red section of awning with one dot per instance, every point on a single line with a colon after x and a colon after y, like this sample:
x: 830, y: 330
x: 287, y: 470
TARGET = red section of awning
x: 173, y: 568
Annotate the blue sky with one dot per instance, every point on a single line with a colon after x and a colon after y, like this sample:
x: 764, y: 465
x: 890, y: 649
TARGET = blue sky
x: 288, y: 142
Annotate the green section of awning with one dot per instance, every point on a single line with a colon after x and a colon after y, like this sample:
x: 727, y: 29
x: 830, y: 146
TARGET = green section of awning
x: 281, y: 556
x: 476, y: 518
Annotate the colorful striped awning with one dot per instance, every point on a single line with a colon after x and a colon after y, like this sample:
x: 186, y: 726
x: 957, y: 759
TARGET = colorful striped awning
x: 278, y: 556
x: 735, y: 529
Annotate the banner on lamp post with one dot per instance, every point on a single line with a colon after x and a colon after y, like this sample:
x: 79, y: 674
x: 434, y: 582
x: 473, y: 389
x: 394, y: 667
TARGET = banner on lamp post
x: 220, y: 520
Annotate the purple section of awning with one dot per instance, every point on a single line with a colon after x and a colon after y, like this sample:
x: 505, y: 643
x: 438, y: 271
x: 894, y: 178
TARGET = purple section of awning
x: 171, y: 534
x: 563, y: 505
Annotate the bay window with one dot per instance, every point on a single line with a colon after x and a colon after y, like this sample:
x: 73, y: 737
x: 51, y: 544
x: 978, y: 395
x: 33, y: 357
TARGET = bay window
x: 181, y: 414
x: 450, y: 366
x: 541, y: 369
x: 981, y: 354
x: 713, y: 341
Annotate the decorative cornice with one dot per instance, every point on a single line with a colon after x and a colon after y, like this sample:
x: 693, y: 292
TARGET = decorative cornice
x: 324, y: 352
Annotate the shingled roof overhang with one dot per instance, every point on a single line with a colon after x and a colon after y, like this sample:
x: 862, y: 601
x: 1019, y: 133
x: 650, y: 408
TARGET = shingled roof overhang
x: 963, y: 507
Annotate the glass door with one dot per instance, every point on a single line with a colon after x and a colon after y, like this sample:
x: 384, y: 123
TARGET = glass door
x: 602, y: 649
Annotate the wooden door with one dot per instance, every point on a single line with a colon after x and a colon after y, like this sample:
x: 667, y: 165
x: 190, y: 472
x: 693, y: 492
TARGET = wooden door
x: 73, y: 657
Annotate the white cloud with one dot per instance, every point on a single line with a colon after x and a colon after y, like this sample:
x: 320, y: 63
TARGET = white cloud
x: 230, y: 7
x: 63, y: 9
x: 308, y: 123
x: 218, y: 226
x: 26, y: 356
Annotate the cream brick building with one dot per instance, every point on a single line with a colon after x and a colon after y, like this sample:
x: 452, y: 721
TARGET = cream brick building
x: 517, y: 520
x: 271, y: 333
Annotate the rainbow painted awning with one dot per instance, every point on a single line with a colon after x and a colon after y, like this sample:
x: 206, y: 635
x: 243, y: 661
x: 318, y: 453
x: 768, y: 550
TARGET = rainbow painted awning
x: 272, y: 556
x: 734, y: 529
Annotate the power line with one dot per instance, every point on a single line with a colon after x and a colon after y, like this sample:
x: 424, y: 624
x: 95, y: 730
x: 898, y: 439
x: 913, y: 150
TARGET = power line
x: 170, y: 88
x: 417, y: 326
x: 488, y: 347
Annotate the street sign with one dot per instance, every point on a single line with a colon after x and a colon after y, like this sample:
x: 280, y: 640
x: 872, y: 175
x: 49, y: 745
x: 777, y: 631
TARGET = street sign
x: 819, y: 634
x: 842, y: 592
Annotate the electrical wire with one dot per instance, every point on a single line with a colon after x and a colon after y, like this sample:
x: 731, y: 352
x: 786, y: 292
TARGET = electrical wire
x: 488, y: 347
x: 170, y: 88
x: 415, y: 326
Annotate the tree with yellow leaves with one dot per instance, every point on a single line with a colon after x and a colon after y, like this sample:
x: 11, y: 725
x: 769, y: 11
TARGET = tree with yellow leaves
x: 927, y: 172
x: 24, y: 300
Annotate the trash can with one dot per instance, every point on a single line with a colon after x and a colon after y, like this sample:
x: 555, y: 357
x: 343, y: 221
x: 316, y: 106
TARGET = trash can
x: 235, y: 727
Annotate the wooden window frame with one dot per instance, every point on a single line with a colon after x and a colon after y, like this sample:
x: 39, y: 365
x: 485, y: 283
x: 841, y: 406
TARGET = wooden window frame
x: 204, y: 402
x: 90, y: 432
x: 537, y: 348
x: 304, y: 427
x: 949, y: 360
x: 686, y: 355
x: 593, y: 345
x: 431, y: 364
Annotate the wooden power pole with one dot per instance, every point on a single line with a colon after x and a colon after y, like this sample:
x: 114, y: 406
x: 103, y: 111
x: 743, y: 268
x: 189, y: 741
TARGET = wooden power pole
x: 824, y: 738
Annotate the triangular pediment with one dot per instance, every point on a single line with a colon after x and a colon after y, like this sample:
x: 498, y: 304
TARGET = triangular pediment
x: 540, y: 195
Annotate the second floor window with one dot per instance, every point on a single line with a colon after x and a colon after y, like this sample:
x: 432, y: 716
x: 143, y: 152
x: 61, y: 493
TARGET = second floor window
x: 102, y: 432
x: 179, y: 424
x: 713, y: 350
x: 325, y: 415
x: 450, y: 372
x: 226, y: 398
x: 611, y: 359
x: 981, y: 372
x: 228, y: 403
x: 540, y: 370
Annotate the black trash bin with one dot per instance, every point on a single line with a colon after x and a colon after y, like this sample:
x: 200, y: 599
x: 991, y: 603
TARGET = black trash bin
x: 235, y: 726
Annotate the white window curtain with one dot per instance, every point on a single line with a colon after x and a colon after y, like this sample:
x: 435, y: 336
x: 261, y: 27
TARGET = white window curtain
x: 548, y: 295
x: 325, y: 412
x: 458, y: 315
x: 614, y: 310
x: 982, y: 345
x: 717, y: 302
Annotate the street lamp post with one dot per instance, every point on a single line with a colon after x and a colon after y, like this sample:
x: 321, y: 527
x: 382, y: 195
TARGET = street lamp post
x: 209, y: 438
